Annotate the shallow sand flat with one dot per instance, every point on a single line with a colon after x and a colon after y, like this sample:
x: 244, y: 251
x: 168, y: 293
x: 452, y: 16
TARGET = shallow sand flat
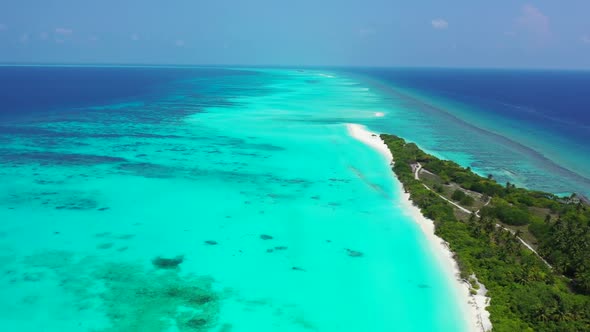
x: 284, y: 221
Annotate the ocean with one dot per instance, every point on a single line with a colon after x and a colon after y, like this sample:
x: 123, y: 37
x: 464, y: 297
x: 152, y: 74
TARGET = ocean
x: 527, y: 127
x: 234, y: 199
x: 206, y: 199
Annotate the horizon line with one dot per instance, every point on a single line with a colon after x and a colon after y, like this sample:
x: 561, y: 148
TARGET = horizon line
x: 286, y: 66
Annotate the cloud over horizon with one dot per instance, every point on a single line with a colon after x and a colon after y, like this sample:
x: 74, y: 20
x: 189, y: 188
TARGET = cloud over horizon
x: 64, y: 31
x: 535, y: 22
x: 439, y: 23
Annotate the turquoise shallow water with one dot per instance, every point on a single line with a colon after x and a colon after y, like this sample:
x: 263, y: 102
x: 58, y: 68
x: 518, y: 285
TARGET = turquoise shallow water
x: 283, y: 221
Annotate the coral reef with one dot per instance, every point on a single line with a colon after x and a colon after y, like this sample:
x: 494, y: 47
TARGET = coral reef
x: 167, y: 263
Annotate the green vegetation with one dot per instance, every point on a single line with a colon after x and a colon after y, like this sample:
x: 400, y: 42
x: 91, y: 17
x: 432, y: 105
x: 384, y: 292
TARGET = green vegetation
x: 464, y: 199
x: 467, y: 200
x: 526, y: 294
x: 458, y: 195
x: 507, y: 213
x: 438, y: 188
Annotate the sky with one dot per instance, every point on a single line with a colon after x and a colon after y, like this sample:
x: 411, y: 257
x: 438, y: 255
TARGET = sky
x: 432, y: 33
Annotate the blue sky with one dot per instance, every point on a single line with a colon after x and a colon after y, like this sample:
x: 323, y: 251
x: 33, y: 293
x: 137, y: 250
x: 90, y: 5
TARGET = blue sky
x: 455, y: 33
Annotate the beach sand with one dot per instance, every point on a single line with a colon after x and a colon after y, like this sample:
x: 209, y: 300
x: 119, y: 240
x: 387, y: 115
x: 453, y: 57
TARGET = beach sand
x: 473, y: 306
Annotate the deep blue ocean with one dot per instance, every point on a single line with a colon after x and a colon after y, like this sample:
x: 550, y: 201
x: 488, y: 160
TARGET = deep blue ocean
x: 557, y: 100
x: 42, y: 89
x: 536, y: 117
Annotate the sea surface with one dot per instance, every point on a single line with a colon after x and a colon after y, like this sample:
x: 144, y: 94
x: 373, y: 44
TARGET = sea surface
x: 224, y: 199
x: 527, y: 127
x: 206, y: 199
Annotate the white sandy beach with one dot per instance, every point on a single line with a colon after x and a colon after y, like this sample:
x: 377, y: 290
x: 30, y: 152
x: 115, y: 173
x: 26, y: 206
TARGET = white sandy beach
x: 473, y: 306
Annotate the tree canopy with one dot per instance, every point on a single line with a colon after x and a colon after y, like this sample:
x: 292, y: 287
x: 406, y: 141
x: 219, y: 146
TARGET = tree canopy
x: 526, y: 295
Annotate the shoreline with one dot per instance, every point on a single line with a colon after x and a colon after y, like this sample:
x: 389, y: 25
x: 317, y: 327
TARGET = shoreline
x: 472, y: 306
x: 509, y: 139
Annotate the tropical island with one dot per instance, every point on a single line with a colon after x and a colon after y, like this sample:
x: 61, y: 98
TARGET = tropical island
x: 530, y: 249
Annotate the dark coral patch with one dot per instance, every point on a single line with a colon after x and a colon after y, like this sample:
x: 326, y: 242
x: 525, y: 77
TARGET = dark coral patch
x: 354, y: 253
x: 196, y: 323
x: 167, y: 263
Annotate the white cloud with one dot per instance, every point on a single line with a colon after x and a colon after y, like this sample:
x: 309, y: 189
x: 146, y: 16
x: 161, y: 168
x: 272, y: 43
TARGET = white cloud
x: 179, y: 43
x: 439, y: 23
x: 64, y: 31
x: 534, y: 22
